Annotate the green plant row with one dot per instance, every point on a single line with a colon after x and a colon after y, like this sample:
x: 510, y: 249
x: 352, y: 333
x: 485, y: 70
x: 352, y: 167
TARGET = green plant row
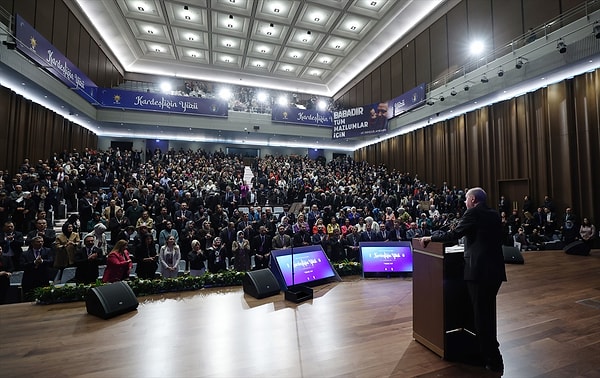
x: 142, y: 287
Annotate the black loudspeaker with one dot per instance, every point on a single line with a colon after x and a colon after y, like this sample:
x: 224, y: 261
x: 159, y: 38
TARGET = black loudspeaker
x: 512, y: 255
x: 577, y: 248
x: 110, y: 300
x: 260, y: 283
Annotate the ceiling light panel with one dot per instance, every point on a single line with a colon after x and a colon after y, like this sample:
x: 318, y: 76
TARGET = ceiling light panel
x: 239, y: 7
x: 229, y: 61
x: 143, y: 30
x: 338, y: 46
x: 230, y: 24
x: 191, y: 18
x: 371, y: 8
x: 273, y: 10
x: 157, y: 50
x: 259, y: 64
x: 262, y: 30
x: 287, y: 69
x: 305, y: 39
x: 263, y: 50
x: 149, y: 10
x: 229, y: 45
x: 325, y: 61
x: 190, y: 38
x: 317, y: 18
x: 196, y: 56
x: 295, y: 56
x: 355, y: 27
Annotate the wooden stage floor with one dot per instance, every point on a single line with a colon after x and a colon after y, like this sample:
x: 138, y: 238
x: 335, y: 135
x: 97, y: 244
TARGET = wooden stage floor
x: 548, y: 321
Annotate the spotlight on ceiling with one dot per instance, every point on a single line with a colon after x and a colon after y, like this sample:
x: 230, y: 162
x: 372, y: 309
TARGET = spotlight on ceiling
x: 442, y: 98
x: 466, y: 87
x: 11, y: 45
x: 500, y: 72
x: 453, y: 92
x: 484, y: 79
x: 597, y: 31
x: 519, y: 64
x: 561, y: 47
x: 430, y: 102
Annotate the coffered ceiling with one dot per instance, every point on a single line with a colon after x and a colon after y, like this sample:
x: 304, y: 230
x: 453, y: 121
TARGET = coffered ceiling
x: 309, y: 46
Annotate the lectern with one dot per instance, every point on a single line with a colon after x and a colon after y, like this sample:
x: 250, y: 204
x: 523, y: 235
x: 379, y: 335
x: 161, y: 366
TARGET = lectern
x: 442, y: 316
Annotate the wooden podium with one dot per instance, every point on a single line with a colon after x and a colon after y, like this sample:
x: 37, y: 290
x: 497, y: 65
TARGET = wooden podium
x: 442, y: 315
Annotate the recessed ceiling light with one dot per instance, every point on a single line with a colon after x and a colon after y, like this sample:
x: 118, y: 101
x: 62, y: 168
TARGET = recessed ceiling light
x: 304, y: 40
x: 187, y: 17
x: 317, y: 19
x: 140, y: 9
x: 373, y: 3
x: 191, y: 38
x: 269, y: 33
x: 337, y: 46
x: 229, y: 25
x: 150, y: 31
x: 276, y: 10
x: 353, y: 27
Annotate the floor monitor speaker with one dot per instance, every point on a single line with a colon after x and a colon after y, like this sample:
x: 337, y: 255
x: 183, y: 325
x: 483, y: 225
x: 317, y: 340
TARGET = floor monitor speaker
x: 110, y: 300
x: 577, y: 248
x: 512, y: 255
x: 260, y: 283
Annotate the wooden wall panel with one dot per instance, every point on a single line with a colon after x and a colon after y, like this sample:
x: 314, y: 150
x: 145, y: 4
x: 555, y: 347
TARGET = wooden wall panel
x: 479, y: 16
x: 60, y: 27
x: 25, y: 8
x: 537, y: 12
x: 7, y: 5
x: 439, y: 48
x: 352, y: 99
x: 549, y: 138
x: 385, y: 82
x: 44, y: 23
x: 408, y: 67
x: 376, y: 81
x: 457, y: 36
x: 367, y: 85
x: 507, y: 22
x: 360, y: 93
x: 84, y: 52
x: 423, y: 58
x: 396, y: 77
x: 73, y: 36
x: 94, y: 62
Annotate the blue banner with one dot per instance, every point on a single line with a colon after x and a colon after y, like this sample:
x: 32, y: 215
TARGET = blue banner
x: 309, y: 117
x: 406, y: 101
x: 359, y: 121
x: 37, y: 48
x: 158, y: 102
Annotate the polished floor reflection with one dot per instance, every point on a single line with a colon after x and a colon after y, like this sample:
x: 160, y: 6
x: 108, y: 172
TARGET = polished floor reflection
x: 549, y: 325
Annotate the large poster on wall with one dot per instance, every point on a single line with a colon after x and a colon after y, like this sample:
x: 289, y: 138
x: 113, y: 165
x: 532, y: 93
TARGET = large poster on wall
x: 309, y: 117
x: 359, y: 121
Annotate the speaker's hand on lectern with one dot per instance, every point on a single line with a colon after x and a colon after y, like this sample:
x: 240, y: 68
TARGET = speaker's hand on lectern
x: 424, y: 241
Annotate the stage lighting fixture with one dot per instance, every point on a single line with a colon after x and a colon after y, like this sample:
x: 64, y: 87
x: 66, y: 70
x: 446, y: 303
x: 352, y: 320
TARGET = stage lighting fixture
x: 519, y: 64
x: 11, y: 45
x: 500, y: 72
x: 597, y: 31
x: 466, y: 87
x: 442, y: 98
x: 561, y: 47
x: 453, y: 92
x: 484, y: 79
x: 430, y: 102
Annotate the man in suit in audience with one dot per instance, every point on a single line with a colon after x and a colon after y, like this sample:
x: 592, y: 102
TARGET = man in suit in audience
x: 484, y: 269
x: 281, y: 240
x: 87, y: 259
x: 261, y: 248
x: 12, y: 243
x: 37, y: 266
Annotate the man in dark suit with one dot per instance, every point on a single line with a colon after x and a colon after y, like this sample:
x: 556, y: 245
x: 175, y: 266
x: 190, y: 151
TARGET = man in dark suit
x: 281, y: 240
x: 484, y: 269
x: 12, y: 243
x: 87, y: 260
x: 261, y: 248
x: 37, y: 266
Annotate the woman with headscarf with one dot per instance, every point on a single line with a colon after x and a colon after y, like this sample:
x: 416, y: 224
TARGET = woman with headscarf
x: 169, y: 257
x: 240, y: 249
x: 66, y: 246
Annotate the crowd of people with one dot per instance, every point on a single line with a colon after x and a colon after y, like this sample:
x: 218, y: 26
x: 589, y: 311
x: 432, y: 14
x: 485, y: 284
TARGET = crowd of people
x: 196, y: 206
